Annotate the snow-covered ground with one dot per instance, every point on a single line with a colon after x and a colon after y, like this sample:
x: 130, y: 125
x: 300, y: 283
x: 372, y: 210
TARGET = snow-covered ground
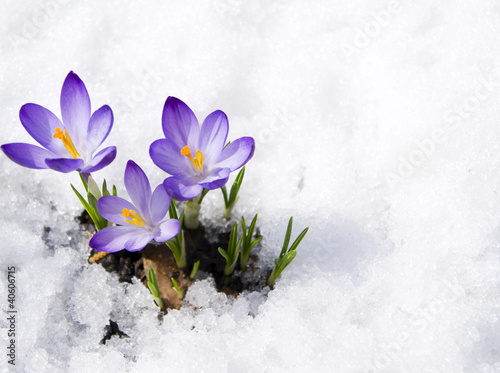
x: 376, y: 124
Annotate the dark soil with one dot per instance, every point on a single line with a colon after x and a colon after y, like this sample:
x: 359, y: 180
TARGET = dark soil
x: 111, y: 330
x: 198, y: 247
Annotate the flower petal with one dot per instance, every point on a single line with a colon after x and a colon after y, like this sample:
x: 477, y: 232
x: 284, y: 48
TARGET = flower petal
x: 113, y: 239
x: 167, y: 155
x: 27, y: 155
x: 237, y: 154
x: 75, y: 109
x: 64, y: 164
x: 166, y: 230
x: 180, y: 124
x: 180, y: 189
x: 217, y: 178
x: 100, y: 124
x: 213, y: 136
x: 138, y: 242
x: 111, y: 208
x: 138, y: 189
x: 160, y: 202
x: 41, y: 125
x: 101, y: 160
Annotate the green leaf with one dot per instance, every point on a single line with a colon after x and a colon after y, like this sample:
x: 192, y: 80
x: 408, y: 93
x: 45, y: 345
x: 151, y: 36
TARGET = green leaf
x: 202, y: 195
x: 287, y: 237
x: 82, y: 200
x: 90, y: 210
x: 224, y: 194
x: 236, y: 186
x: 194, y: 270
x: 115, y: 193
x: 255, y: 242
x: 224, y: 254
x: 105, y: 191
x: 172, y: 211
x: 84, y: 183
x: 298, y: 239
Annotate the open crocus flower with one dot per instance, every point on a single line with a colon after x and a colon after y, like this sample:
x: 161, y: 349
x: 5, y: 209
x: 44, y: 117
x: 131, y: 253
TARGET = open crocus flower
x: 68, y: 145
x: 196, y: 158
x: 139, y: 221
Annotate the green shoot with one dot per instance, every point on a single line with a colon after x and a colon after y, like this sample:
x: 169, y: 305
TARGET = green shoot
x: 231, y: 199
x: 233, y: 249
x: 177, y: 244
x: 247, y: 243
x: 194, y: 270
x: 93, y: 195
x: 153, y: 288
x: 287, y: 255
x: 176, y: 288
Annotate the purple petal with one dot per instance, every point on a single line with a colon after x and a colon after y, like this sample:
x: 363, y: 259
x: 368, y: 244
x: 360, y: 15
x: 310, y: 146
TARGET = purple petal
x: 64, y: 164
x: 113, y: 239
x: 160, y: 202
x: 166, y: 230
x: 180, y: 189
x: 213, y: 136
x: 27, y: 155
x: 237, y: 154
x: 75, y: 108
x: 217, y: 178
x: 101, y: 160
x: 180, y: 124
x: 41, y: 125
x: 111, y: 208
x: 138, y: 189
x: 99, y: 126
x: 138, y: 242
x: 167, y: 155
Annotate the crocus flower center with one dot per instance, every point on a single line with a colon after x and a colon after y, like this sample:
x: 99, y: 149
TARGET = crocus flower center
x: 198, y: 159
x: 66, y: 140
x: 133, y: 217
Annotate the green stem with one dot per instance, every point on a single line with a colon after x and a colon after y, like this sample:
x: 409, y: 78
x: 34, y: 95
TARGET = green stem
x: 272, y: 279
x: 229, y: 209
x: 192, y: 213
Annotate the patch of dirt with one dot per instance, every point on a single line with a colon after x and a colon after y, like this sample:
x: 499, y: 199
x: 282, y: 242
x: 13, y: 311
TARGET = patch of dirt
x: 111, y: 330
x: 198, y: 247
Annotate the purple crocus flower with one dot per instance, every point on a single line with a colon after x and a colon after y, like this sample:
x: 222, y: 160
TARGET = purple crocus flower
x: 68, y: 145
x: 196, y: 158
x: 139, y: 221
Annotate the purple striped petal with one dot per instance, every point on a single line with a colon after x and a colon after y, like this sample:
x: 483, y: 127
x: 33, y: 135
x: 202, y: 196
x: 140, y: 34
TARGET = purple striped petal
x: 180, y: 124
x: 64, y: 164
x: 27, y: 155
x: 101, y: 160
x: 138, y: 242
x: 111, y: 208
x: 167, y: 155
x: 75, y: 108
x: 41, y: 124
x: 180, y: 189
x: 138, y: 189
x: 166, y: 230
x: 237, y: 154
x: 160, y: 202
x: 213, y: 136
x: 100, y: 125
x: 113, y: 239
x: 217, y: 178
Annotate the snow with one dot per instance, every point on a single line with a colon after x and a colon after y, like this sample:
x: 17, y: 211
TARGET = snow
x: 376, y: 125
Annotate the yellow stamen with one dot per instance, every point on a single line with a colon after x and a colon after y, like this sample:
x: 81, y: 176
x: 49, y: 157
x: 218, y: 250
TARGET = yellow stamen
x: 133, y: 217
x: 198, y: 159
x: 66, y: 140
